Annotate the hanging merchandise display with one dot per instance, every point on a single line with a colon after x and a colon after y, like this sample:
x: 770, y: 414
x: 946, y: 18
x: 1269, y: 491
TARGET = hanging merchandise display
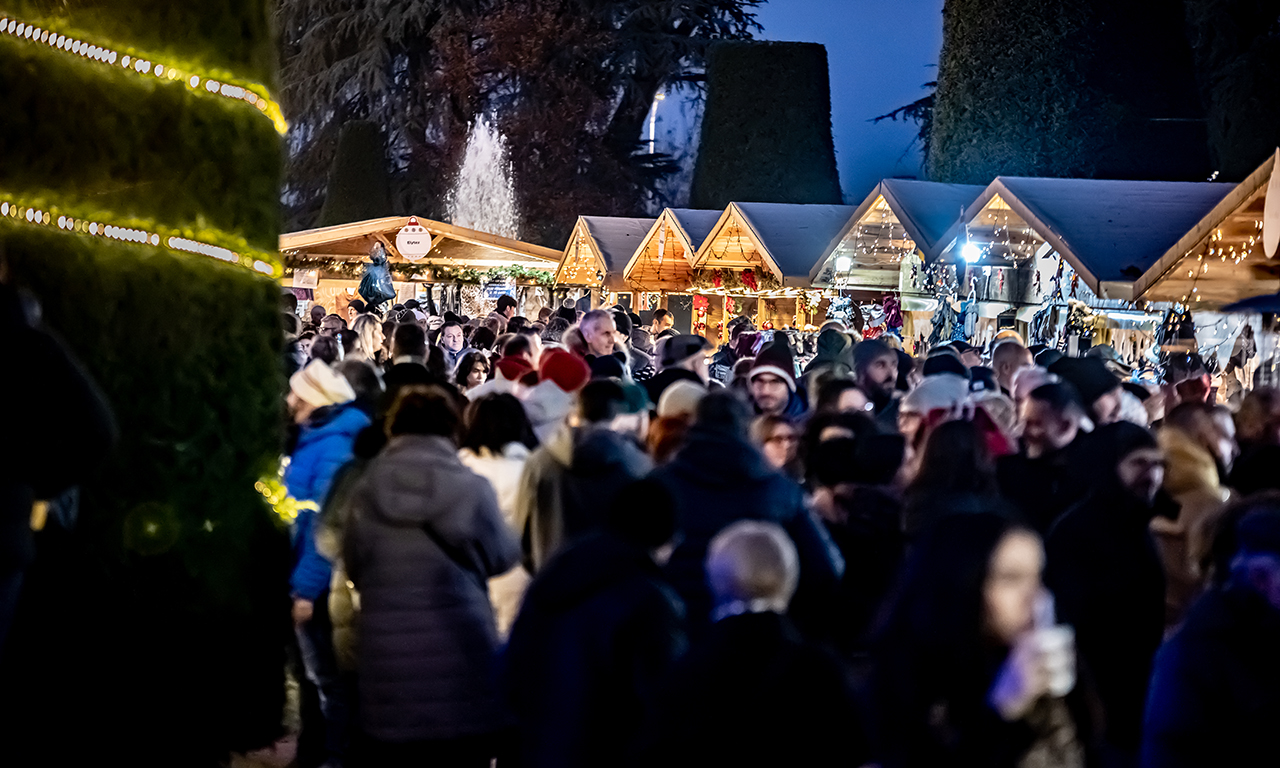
x: 1041, y: 330
x: 700, y: 305
x: 1077, y: 335
x: 892, y: 312
x: 968, y: 324
x: 945, y: 320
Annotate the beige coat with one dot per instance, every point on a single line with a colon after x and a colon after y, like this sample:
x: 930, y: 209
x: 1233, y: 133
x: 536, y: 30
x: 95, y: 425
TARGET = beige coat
x: 1191, y: 478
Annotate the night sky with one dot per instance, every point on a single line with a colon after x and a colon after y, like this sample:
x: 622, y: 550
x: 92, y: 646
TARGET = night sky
x: 880, y: 53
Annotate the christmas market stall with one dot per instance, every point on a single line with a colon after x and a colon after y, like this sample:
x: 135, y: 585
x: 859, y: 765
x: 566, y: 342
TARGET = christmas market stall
x: 881, y: 246
x: 1055, y: 259
x: 592, y: 265
x: 663, y: 263
x: 443, y: 266
x: 1223, y: 274
x: 757, y: 261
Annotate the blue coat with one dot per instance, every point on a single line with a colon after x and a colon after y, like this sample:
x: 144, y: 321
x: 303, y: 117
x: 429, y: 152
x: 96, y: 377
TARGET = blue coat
x: 324, y: 446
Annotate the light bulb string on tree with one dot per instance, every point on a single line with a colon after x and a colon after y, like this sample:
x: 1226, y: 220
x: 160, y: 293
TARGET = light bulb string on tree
x: 145, y: 66
x: 139, y: 233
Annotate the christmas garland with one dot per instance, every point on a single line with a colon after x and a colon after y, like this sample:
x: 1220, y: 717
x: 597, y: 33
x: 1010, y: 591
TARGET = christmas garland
x: 745, y: 281
x: 354, y: 268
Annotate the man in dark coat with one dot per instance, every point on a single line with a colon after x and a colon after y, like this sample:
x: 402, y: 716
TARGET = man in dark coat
x: 1044, y: 479
x: 599, y: 628
x: 1215, y: 694
x: 722, y: 362
x: 875, y: 369
x: 854, y: 494
x: 58, y: 428
x: 718, y: 478
x: 1104, y: 569
x: 753, y: 692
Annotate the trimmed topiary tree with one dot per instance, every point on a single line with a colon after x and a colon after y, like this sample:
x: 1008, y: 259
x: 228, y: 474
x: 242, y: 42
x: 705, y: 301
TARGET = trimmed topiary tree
x: 1237, y: 55
x: 766, y: 133
x: 359, y: 188
x: 139, y: 204
x: 1075, y: 88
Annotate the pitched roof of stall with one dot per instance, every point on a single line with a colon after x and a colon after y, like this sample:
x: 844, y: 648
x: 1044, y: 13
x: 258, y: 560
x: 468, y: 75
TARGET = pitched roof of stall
x: 796, y: 236
x: 617, y: 238
x: 1116, y: 230
x: 696, y: 223
x: 927, y: 209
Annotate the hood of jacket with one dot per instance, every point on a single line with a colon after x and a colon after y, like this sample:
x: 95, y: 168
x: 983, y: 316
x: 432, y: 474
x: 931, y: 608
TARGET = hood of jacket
x: 342, y: 420
x: 588, y: 567
x: 795, y: 408
x: 721, y: 459
x: 598, y: 449
x: 547, y: 403
x: 559, y: 445
x: 417, y: 475
x: 1190, y: 467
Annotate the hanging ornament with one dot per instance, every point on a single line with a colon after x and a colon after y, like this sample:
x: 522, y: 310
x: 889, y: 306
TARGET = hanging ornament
x: 893, y: 312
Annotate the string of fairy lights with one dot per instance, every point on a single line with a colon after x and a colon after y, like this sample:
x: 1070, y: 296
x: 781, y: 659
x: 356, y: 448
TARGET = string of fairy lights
x: 143, y: 66
x: 59, y: 37
x: 51, y: 217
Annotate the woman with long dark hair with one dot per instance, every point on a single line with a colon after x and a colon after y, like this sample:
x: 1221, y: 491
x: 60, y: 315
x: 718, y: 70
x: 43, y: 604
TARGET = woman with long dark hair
x: 496, y: 442
x: 472, y: 371
x: 964, y: 674
x: 956, y: 474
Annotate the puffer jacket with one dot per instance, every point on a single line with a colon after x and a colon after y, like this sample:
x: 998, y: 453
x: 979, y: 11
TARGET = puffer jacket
x: 425, y: 534
x: 324, y: 446
x: 1192, y: 480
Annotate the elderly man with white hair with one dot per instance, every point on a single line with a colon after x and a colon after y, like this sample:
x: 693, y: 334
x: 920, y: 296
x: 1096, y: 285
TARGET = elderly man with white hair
x: 755, y: 668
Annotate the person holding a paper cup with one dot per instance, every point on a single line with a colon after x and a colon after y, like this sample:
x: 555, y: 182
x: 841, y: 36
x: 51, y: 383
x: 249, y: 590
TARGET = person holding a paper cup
x: 970, y: 667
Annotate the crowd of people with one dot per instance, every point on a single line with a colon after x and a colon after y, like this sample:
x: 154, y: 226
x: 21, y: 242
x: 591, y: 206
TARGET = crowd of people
x: 582, y: 540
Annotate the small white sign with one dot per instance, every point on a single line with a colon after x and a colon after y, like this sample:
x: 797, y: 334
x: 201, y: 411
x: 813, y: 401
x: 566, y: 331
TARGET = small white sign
x: 1271, y: 212
x: 414, y: 241
x: 306, y: 278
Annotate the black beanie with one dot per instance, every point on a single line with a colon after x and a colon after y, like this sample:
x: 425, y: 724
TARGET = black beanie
x: 1088, y: 375
x: 944, y: 362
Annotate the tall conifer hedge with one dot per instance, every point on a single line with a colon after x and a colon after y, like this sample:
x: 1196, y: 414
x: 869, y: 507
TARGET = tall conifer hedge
x: 766, y: 133
x: 1075, y: 88
x: 139, y: 203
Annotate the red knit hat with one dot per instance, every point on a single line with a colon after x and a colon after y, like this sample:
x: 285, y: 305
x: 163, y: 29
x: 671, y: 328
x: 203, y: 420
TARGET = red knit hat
x: 513, y: 368
x: 567, y: 370
x: 776, y: 359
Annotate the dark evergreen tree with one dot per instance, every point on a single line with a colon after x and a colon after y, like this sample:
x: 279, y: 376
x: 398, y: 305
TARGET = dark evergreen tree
x: 569, y: 82
x: 766, y: 134
x: 139, y: 204
x: 1088, y: 88
x: 1236, y: 44
x: 358, y: 187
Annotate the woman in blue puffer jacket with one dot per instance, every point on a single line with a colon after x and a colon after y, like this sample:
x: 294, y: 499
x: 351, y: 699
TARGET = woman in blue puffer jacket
x: 323, y: 404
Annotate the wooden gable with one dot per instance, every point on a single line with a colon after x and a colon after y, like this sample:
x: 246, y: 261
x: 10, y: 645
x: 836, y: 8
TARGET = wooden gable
x: 1221, y: 260
x: 733, y: 244
x: 663, y: 262
x: 581, y: 263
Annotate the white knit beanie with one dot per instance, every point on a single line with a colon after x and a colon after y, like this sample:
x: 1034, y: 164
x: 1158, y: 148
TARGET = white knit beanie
x: 318, y: 385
